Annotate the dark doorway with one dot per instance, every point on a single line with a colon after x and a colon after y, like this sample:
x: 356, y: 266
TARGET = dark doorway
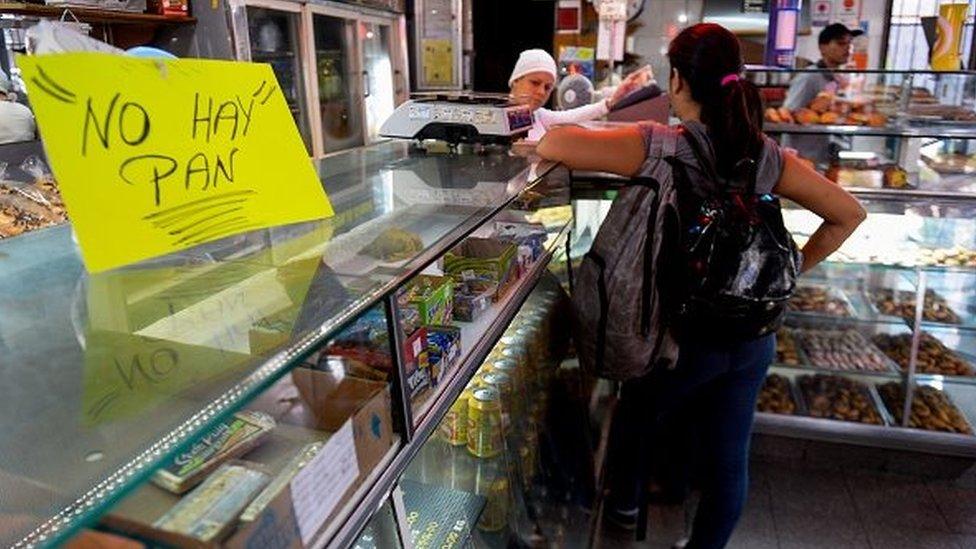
x: 502, y: 29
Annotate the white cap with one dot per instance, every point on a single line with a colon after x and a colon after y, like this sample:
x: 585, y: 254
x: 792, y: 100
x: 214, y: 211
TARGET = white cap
x: 533, y: 61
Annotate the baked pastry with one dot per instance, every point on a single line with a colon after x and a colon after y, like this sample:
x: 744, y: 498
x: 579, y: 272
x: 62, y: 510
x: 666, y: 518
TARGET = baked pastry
x: 806, y: 116
x: 822, y: 102
x: 394, y: 245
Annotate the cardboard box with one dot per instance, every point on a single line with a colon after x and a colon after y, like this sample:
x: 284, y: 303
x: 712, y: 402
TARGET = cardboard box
x: 332, y: 400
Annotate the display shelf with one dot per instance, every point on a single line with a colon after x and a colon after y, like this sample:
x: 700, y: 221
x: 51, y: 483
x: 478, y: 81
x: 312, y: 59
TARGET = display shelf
x: 92, y: 15
x: 80, y: 381
x: 959, y: 131
x: 594, y: 185
x: 894, y: 437
x: 497, y: 320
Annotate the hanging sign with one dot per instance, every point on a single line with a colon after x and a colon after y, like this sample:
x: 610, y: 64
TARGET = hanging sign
x: 820, y: 13
x: 848, y: 12
x: 156, y: 156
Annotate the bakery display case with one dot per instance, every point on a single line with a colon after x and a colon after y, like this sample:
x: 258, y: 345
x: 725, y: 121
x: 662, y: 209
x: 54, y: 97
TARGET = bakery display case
x: 257, y: 390
x: 877, y: 347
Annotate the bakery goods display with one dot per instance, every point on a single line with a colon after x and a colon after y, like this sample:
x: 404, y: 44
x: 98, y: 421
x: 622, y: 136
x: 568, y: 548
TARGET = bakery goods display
x: 776, y: 396
x: 901, y: 303
x: 394, y: 244
x: 26, y: 208
x: 951, y: 163
x: 947, y: 257
x: 830, y: 110
x: 786, y: 350
x: 871, y: 177
x: 820, y: 300
x: 931, y: 409
x: 835, y: 397
x: 845, y: 350
x: 933, y: 357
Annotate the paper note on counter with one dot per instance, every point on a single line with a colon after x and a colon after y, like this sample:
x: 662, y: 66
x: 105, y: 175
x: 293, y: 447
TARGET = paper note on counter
x: 317, y: 489
x: 155, y: 156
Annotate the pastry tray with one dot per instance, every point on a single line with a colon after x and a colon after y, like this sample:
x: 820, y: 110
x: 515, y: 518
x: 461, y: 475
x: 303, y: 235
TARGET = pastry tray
x: 872, y: 393
x: 832, y: 293
x: 891, y: 417
x: 798, y: 403
x: 807, y: 362
x: 869, y: 297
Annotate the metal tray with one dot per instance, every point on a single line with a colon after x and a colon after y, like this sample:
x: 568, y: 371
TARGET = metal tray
x: 802, y: 360
x: 798, y: 404
x: 890, y: 365
x: 869, y: 297
x: 832, y: 293
x: 951, y: 403
x: 867, y: 387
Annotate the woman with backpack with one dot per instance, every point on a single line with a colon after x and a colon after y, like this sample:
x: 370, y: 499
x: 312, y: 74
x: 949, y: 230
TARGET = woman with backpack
x: 719, y: 369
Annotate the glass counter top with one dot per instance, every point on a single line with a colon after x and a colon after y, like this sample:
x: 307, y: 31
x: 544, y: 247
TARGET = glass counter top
x: 105, y: 376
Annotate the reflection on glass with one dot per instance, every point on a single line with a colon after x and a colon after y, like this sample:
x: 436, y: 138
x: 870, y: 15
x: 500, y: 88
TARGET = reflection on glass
x: 341, y: 121
x: 378, y: 76
x: 381, y: 532
x: 274, y: 40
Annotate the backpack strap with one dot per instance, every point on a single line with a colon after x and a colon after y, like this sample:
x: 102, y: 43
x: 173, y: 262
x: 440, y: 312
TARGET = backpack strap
x: 660, y: 142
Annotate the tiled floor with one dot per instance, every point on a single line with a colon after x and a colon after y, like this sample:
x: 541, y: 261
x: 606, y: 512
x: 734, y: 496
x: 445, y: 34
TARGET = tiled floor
x: 793, y: 507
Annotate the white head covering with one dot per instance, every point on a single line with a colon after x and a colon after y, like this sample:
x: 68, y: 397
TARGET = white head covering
x: 533, y: 61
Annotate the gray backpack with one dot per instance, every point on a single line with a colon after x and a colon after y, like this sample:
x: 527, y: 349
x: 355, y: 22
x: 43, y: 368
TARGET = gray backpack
x: 619, y: 328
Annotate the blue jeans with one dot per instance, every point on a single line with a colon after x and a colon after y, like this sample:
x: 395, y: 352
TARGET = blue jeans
x: 721, y: 383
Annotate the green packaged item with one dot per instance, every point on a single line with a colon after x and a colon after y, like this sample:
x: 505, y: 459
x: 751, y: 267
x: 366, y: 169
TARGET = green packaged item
x: 230, y: 439
x: 432, y: 297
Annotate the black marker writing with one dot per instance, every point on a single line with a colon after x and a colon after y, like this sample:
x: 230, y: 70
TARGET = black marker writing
x: 142, y: 122
x: 161, y: 363
x: 157, y: 166
x: 91, y: 117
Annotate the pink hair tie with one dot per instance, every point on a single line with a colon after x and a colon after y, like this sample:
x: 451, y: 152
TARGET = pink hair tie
x: 729, y: 78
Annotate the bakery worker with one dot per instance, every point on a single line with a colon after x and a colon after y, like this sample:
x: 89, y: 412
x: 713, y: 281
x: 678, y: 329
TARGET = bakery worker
x: 835, y: 43
x: 16, y: 120
x: 534, y: 78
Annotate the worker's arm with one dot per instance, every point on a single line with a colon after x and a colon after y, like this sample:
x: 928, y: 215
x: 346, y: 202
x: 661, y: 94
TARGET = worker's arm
x: 803, y: 90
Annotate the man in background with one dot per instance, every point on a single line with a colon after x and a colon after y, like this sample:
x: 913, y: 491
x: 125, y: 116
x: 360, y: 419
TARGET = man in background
x: 835, y: 43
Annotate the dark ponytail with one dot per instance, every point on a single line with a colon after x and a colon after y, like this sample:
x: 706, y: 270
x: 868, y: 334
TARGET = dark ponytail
x: 707, y: 56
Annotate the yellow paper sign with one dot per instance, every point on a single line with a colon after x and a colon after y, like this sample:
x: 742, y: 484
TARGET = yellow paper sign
x: 155, y: 156
x: 438, y: 62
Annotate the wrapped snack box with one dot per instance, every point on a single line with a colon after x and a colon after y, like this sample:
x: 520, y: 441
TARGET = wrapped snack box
x: 443, y: 350
x: 483, y: 259
x: 471, y: 298
x: 432, y: 299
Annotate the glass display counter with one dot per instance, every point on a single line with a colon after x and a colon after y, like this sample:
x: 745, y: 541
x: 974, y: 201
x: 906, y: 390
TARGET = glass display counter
x: 259, y: 387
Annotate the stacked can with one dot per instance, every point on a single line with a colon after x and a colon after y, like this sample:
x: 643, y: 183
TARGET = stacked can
x: 491, y: 481
x: 502, y: 383
x: 485, y: 423
x: 454, y: 426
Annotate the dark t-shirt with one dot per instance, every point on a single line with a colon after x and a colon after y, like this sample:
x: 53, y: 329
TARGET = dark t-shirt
x: 769, y: 169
